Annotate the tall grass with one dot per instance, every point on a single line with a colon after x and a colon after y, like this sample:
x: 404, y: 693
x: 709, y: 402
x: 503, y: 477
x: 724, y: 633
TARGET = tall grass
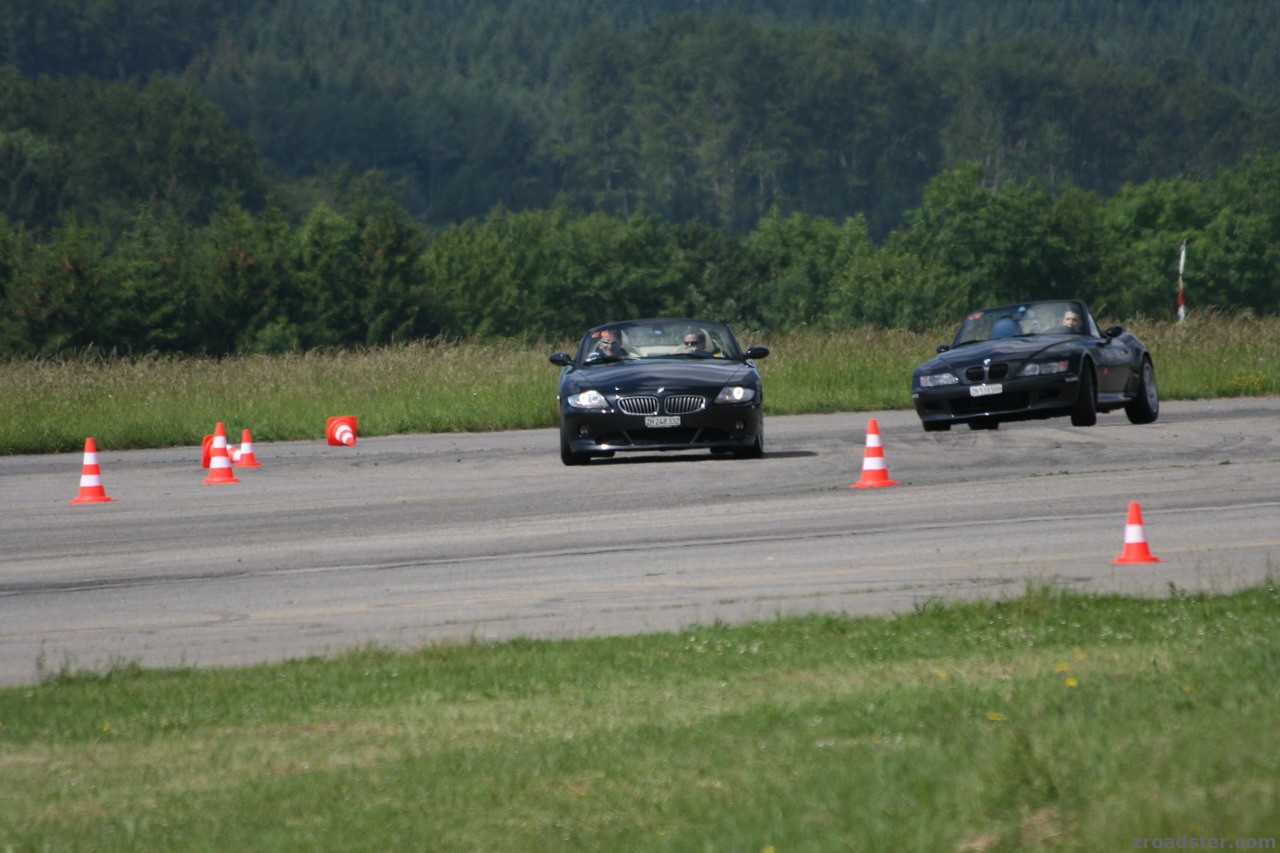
x: 494, y: 384
x: 1051, y: 721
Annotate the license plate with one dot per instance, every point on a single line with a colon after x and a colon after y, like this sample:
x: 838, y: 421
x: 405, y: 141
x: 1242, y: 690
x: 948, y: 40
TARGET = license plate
x: 662, y: 421
x: 985, y: 390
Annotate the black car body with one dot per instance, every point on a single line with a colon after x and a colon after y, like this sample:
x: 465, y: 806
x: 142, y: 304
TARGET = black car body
x: 657, y: 394
x: 1018, y: 362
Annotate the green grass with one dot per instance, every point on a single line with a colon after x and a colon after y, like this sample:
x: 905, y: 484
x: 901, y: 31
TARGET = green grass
x: 440, y: 386
x: 1053, y: 721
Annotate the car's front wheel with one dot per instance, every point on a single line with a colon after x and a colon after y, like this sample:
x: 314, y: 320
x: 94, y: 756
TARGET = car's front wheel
x: 568, y: 455
x: 756, y: 450
x: 1085, y: 411
x: 1144, y: 408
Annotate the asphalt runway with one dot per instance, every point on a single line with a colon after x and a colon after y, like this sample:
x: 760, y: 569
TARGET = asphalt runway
x: 410, y: 540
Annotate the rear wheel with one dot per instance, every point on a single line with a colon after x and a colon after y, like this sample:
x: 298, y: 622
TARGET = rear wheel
x: 1085, y: 411
x: 1144, y: 408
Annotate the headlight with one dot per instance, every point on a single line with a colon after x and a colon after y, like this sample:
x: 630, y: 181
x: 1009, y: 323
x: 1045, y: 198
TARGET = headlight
x: 937, y: 380
x: 736, y: 394
x: 588, y: 400
x: 1044, y: 368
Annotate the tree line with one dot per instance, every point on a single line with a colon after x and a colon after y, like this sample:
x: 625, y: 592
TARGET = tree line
x: 715, y: 111
x: 253, y: 282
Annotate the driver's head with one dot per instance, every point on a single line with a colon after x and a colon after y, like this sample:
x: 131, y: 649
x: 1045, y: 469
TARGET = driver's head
x: 609, y: 341
x: 1071, y: 318
x: 694, y: 339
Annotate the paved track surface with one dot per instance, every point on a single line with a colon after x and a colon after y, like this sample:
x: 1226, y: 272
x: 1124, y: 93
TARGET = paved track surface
x: 417, y: 539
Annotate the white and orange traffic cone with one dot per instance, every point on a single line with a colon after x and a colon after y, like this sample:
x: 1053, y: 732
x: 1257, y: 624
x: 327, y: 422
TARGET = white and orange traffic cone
x: 91, y: 491
x: 874, y: 471
x: 219, y: 461
x: 341, y: 431
x: 1135, y: 541
x: 243, y: 456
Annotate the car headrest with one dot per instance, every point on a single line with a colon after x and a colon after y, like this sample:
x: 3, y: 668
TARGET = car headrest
x: 1005, y: 327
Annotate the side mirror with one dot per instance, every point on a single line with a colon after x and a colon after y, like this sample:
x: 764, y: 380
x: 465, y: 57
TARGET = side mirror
x: 755, y: 352
x: 943, y: 348
x: 1114, y: 331
x: 560, y: 359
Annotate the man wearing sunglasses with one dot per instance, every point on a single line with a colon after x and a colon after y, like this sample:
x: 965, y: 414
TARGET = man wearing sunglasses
x: 610, y: 346
x: 695, y: 343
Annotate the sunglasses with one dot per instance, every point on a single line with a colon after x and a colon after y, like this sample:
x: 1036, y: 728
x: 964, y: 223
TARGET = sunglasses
x: 692, y: 343
x: 605, y: 342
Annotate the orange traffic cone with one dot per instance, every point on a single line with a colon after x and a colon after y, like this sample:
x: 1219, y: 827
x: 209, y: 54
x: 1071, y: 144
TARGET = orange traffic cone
x: 243, y: 456
x: 1135, y: 541
x: 219, y: 461
x: 206, y: 450
x: 91, y: 491
x: 874, y: 472
x: 341, y: 431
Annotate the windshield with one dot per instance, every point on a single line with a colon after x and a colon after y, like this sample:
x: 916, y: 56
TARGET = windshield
x: 1028, y: 318
x: 658, y: 339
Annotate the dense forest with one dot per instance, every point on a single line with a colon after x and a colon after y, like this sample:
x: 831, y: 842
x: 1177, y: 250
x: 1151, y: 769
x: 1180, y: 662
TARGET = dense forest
x: 224, y: 175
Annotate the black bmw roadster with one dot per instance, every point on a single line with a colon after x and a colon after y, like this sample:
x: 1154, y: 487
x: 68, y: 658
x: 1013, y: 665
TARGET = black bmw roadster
x: 1035, y: 360
x: 659, y: 385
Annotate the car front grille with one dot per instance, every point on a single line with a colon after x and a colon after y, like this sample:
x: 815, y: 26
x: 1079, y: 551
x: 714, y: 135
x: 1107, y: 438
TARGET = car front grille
x: 676, y: 404
x: 978, y: 373
x: 684, y: 404
x: 638, y: 405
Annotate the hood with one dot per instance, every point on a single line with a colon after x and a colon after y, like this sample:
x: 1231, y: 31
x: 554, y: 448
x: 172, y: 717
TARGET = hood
x: 651, y: 375
x: 1006, y: 349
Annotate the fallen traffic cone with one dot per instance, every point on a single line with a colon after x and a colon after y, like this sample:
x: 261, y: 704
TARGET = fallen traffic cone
x: 91, y: 491
x: 219, y: 461
x: 243, y: 456
x: 1135, y: 541
x: 341, y: 431
x: 874, y: 472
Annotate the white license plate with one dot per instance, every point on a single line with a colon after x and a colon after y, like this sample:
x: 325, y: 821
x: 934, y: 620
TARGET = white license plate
x: 662, y: 421
x: 985, y: 390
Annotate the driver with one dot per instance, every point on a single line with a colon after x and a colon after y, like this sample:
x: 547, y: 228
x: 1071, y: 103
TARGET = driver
x: 695, y: 342
x: 1073, y: 321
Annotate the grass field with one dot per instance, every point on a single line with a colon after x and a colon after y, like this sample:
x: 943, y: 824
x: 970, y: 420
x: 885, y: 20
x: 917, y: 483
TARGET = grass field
x: 1051, y: 721
x: 52, y: 405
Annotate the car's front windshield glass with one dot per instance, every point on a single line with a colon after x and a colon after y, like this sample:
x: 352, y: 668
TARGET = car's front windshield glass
x: 1028, y: 318
x: 658, y: 339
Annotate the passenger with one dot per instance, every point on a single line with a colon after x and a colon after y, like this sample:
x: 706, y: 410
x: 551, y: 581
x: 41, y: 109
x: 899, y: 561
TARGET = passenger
x: 610, y: 346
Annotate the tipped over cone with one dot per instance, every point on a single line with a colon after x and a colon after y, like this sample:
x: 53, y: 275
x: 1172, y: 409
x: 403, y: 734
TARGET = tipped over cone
x: 91, y: 491
x: 874, y: 471
x: 1135, y: 540
x: 243, y: 457
x: 341, y: 431
x: 219, y: 461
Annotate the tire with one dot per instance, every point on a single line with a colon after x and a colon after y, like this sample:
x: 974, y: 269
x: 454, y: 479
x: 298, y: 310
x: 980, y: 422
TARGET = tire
x: 756, y: 450
x: 1084, y: 413
x: 936, y: 426
x: 567, y: 454
x: 1144, y: 408
x: 984, y: 423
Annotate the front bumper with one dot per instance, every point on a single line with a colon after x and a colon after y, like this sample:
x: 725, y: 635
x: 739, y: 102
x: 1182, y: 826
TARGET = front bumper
x: 721, y: 427
x: 1019, y: 399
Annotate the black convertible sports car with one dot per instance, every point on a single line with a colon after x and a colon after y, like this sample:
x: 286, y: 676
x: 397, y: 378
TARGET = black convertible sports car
x: 1035, y: 360
x: 661, y: 384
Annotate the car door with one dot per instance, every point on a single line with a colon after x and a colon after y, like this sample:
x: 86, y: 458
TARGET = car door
x: 1115, y: 365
